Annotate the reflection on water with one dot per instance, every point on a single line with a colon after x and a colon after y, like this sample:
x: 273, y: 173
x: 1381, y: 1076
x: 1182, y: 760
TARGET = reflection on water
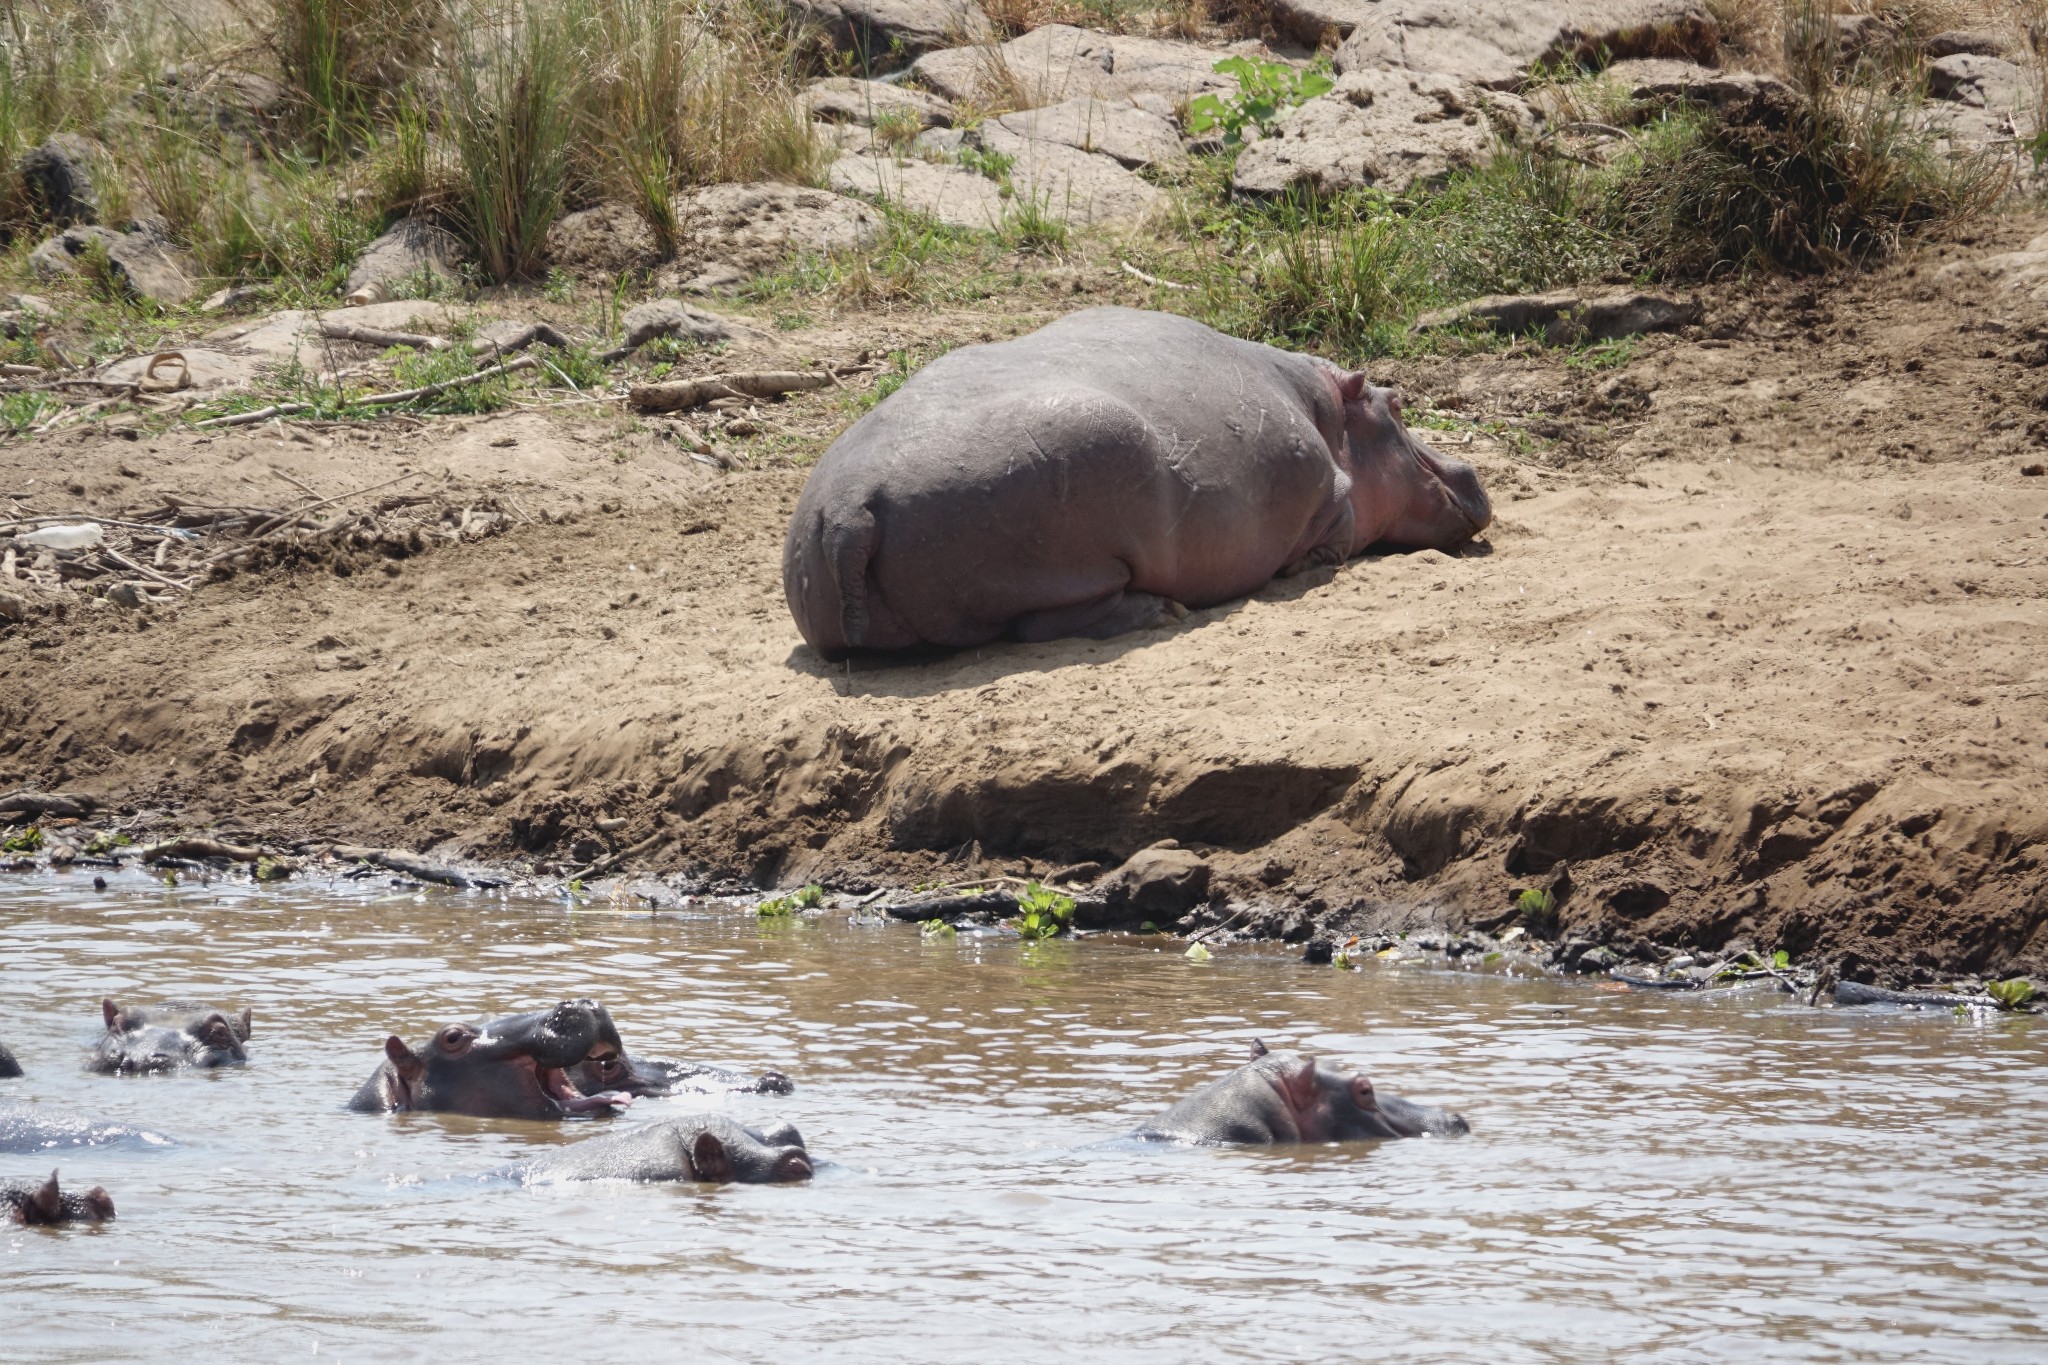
x: 1679, y: 1179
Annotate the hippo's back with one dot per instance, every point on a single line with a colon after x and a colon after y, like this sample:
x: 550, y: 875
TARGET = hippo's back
x: 1139, y: 450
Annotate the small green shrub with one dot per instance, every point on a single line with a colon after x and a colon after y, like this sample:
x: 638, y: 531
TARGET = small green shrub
x: 28, y: 840
x: 418, y: 369
x: 782, y: 907
x: 2016, y: 994
x: 1264, y: 90
x: 994, y: 165
x: 1030, y: 227
x: 21, y: 411
x: 936, y: 928
x: 1538, y: 909
x: 1042, y: 913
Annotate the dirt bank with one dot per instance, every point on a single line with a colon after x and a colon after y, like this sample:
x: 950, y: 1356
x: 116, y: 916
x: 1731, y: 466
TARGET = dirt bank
x: 1759, y: 645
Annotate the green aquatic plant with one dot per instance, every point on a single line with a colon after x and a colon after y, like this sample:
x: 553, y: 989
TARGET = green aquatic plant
x: 1197, y: 953
x: 1264, y: 90
x: 105, y: 842
x: 781, y: 907
x: 1042, y: 913
x: 936, y: 928
x: 27, y: 841
x: 2016, y: 994
x: 270, y: 869
x: 1341, y: 961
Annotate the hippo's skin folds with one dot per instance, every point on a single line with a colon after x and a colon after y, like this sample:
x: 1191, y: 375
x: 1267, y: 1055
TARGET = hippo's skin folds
x: 706, y: 1147
x: 516, y: 1067
x: 1080, y: 480
x: 46, y: 1203
x: 151, y: 1039
x: 1283, y: 1097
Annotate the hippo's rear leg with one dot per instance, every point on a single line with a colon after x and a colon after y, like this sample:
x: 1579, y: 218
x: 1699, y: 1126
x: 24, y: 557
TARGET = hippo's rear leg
x: 1113, y: 613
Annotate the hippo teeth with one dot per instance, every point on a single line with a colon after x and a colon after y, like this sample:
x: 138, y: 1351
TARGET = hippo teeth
x: 555, y: 1081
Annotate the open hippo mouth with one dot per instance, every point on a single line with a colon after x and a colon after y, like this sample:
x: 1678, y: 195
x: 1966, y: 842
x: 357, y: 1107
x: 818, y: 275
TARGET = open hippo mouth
x: 555, y: 1084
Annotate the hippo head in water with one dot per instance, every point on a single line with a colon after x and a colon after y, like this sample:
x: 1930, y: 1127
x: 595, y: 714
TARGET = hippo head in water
x: 46, y: 1203
x: 708, y: 1147
x: 1281, y: 1097
x: 9, y: 1068
x: 152, y: 1039
x: 516, y: 1067
x: 1404, y: 495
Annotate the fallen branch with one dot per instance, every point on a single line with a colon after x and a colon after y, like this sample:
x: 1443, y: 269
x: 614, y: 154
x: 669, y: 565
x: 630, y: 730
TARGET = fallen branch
x: 289, y: 517
x: 376, y: 336
x: 191, y: 847
x: 520, y: 340
x: 1136, y: 273
x: 46, y: 803
x: 412, y: 866
x: 677, y: 394
x: 611, y: 860
x: 376, y: 400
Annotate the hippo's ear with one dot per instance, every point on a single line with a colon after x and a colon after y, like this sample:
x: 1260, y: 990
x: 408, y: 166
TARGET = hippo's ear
x: 48, y: 1200
x: 1258, y: 1048
x: 247, y: 1017
x: 110, y: 1012
x: 1353, y: 386
x: 404, y: 1060
x: 1301, y: 1083
x: 101, y: 1203
x: 709, y: 1159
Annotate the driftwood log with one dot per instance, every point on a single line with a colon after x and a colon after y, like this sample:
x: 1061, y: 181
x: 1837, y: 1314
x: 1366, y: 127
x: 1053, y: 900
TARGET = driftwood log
x: 677, y: 394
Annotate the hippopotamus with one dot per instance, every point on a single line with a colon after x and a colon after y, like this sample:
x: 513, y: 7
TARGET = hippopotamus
x: 9, y: 1068
x: 1097, y: 475
x: 26, y: 1129
x: 1283, y: 1097
x: 154, y: 1039
x: 46, y: 1203
x: 516, y: 1067
x: 707, y: 1147
x: 653, y: 1077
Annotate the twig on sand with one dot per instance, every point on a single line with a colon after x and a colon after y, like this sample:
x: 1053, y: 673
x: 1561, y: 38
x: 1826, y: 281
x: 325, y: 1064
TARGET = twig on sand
x: 375, y: 400
x: 675, y: 395
x: 377, y: 336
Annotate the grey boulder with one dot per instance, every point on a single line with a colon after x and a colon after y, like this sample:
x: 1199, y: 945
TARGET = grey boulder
x: 1060, y: 62
x: 58, y: 177
x: 1384, y: 129
x: 1160, y: 883
x: 1496, y: 42
x: 886, y: 33
x: 1978, y: 81
x: 672, y: 318
x: 846, y: 99
x: 1135, y: 137
x: 142, y: 263
x: 733, y: 230
x: 410, y: 248
x: 1564, y: 318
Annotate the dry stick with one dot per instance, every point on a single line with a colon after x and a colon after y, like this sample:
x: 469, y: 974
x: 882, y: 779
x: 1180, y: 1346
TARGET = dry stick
x: 1132, y: 270
x: 285, y: 518
x: 379, y: 400
x: 199, y: 848
x: 14, y: 371
x: 675, y: 395
x: 299, y: 484
x: 521, y: 339
x: 18, y: 522
x: 612, y: 860
x: 143, y: 569
x: 374, y: 336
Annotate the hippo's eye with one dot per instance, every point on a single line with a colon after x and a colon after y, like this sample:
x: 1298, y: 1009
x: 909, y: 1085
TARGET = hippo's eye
x: 454, y: 1040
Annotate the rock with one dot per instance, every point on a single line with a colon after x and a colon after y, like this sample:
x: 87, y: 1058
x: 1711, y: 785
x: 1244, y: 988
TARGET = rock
x: 34, y: 305
x: 237, y: 102
x: 1495, y: 42
x: 197, y: 368
x: 1860, y: 35
x: 949, y: 192
x: 1134, y: 137
x: 58, y: 176
x: 1978, y: 81
x: 1388, y: 129
x: 2023, y: 273
x: 1319, y: 952
x: 742, y: 229
x: 143, y: 264
x: 671, y: 318
x: 234, y: 296
x: 1308, y: 21
x: 1564, y: 317
x: 1158, y: 884
x: 411, y: 247
x: 293, y: 336
x: 1740, y: 96
x: 884, y: 33
x: 844, y: 99
x: 1083, y: 188
x: 605, y: 241
x: 1954, y: 41
x: 1060, y: 62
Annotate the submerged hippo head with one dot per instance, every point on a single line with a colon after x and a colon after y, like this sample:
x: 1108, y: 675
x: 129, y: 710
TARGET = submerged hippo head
x: 708, y: 1147
x: 9, y: 1068
x: 46, y: 1203
x: 1404, y: 495
x: 141, y: 1040
x: 515, y: 1067
x: 1291, y: 1097
x: 655, y: 1077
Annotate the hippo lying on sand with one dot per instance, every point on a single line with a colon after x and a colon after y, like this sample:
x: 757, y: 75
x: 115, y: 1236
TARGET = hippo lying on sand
x: 1083, y: 479
x: 516, y: 1067
x: 45, y: 1203
x: 1288, y: 1097
x: 707, y: 1147
x: 158, y: 1038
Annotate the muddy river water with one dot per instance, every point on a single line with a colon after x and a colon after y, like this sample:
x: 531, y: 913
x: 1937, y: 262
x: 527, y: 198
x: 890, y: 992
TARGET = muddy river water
x: 1648, y: 1177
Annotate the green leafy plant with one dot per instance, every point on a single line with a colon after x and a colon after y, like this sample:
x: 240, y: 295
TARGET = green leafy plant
x: 26, y: 841
x: 105, y: 842
x: 417, y: 369
x: 1264, y: 90
x: 1538, y: 908
x: 995, y: 165
x: 1042, y: 913
x: 1341, y: 961
x: 2016, y: 994
x: 777, y: 907
x: 1197, y: 953
x: 271, y: 870
x: 810, y: 897
x: 937, y: 928
x: 1781, y: 959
